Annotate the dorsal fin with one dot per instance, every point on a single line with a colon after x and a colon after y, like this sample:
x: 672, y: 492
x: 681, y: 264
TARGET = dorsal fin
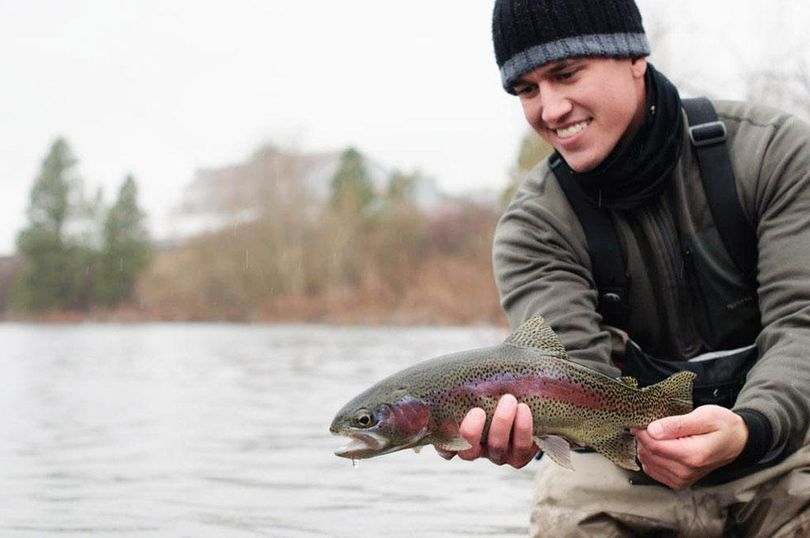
x: 535, y: 334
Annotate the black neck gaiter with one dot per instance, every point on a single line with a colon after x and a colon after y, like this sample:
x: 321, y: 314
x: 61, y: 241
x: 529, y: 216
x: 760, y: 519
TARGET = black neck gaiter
x: 636, y: 174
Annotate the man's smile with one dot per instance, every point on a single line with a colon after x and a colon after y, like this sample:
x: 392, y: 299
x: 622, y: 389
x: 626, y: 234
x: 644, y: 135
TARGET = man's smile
x: 571, y: 130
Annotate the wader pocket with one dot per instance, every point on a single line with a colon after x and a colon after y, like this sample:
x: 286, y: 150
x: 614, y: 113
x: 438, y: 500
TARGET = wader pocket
x: 730, y: 311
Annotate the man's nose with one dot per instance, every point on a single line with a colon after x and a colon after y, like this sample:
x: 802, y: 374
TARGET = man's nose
x: 555, y: 106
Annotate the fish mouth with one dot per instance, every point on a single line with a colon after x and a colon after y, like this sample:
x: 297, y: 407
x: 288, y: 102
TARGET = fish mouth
x: 362, y: 445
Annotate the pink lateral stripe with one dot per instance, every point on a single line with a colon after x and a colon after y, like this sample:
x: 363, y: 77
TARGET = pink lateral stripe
x: 555, y: 389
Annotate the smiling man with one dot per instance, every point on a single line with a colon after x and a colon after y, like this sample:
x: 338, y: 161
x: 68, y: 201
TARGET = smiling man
x: 662, y: 235
x: 565, y: 102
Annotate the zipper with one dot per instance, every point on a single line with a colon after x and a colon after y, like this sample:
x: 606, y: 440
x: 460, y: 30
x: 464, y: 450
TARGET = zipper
x: 668, y: 244
x: 673, y: 267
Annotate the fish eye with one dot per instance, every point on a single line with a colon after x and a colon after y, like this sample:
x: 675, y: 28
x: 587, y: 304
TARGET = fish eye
x: 363, y: 419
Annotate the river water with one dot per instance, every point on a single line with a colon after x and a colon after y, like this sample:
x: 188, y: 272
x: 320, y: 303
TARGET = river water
x: 222, y: 430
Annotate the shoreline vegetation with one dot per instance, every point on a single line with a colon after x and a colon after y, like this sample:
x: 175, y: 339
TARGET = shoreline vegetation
x: 445, y: 279
x: 470, y: 299
x: 356, y: 247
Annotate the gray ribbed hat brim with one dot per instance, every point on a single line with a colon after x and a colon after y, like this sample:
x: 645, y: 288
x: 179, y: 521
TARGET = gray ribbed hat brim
x: 610, y: 45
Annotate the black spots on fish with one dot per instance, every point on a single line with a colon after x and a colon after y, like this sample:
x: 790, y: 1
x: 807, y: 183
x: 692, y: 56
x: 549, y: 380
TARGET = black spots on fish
x: 619, y: 447
x: 672, y: 396
x: 453, y: 401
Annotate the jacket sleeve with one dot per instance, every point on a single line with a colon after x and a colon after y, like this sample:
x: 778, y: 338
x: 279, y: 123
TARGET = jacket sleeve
x: 778, y: 386
x: 541, y: 266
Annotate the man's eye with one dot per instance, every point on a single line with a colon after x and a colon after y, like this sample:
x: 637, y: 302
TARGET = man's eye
x: 566, y: 75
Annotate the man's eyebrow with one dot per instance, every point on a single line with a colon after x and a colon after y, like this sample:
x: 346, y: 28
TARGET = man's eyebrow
x: 561, y: 66
x: 553, y: 69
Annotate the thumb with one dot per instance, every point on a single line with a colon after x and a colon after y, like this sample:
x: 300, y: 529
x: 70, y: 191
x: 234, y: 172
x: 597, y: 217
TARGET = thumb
x: 669, y: 428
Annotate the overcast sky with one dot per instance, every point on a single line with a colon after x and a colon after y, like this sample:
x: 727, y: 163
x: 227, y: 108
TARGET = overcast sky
x: 161, y: 88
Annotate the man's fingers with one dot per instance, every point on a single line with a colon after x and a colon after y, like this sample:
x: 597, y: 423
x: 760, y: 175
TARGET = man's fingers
x: 500, y: 430
x: 502, y: 420
x: 523, y: 447
x: 472, y: 428
x: 667, y: 471
x: 699, y: 421
x: 667, y: 428
x: 522, y: 429
x: 510, y: 435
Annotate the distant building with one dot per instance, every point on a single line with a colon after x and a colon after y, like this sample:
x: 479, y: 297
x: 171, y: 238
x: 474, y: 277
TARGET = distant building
x: 218, y: 198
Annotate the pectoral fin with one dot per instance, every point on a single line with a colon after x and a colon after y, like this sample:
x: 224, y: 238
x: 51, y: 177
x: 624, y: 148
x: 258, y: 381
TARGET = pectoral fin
x: 556, y: 448
x: 446, y: 436
x: 454, y: 443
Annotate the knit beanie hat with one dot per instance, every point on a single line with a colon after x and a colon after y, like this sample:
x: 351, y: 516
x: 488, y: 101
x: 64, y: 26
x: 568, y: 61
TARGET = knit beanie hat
x: 528, y: 34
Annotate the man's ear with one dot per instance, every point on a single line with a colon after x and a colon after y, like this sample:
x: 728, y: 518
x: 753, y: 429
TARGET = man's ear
x: 638, y: 66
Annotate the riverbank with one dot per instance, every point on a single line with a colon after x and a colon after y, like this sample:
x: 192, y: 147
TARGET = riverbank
x: 443, y: 292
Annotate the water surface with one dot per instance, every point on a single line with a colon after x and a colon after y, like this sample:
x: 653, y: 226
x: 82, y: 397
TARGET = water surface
x: 222, y: 430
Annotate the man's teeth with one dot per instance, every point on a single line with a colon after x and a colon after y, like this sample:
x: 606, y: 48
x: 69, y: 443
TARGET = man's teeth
x: 572, y: 130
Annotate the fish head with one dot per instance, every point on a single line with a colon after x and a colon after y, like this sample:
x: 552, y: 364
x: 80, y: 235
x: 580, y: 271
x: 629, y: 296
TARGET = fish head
x: 381, y: 421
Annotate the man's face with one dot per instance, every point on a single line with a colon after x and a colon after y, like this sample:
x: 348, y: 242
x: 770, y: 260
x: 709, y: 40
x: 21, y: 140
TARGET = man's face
x: 584, y: 107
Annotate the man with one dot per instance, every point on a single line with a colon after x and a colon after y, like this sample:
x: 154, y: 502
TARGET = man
x: 580, y: 72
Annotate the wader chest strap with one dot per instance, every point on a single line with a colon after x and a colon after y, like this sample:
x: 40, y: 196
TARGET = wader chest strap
x: 708, y: 136
x: 607, y: 256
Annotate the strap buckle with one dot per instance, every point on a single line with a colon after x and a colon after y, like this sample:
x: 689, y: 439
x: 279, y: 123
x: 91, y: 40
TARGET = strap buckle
x: 707, y: 134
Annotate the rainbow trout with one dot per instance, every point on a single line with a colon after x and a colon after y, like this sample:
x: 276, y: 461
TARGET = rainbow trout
x: 570, y: 403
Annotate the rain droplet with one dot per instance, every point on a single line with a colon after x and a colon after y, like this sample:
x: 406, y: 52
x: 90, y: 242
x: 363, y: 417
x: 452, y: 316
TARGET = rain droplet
x: 355, y: 463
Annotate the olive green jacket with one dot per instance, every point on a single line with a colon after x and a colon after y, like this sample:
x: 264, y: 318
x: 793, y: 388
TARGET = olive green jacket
x: 675, y: 259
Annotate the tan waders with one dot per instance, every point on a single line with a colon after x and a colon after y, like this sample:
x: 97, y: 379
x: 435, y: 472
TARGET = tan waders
x: 598, y: 500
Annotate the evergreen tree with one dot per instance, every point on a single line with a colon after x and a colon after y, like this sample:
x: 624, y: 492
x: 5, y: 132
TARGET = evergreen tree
x: 50, y: 194
x: 352, y: 189
x: 50, y: 280
x: 127, y: 249
x: 402, y: 187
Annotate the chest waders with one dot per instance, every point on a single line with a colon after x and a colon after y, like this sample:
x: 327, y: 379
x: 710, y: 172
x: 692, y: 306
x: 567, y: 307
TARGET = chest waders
x: 720, y: 373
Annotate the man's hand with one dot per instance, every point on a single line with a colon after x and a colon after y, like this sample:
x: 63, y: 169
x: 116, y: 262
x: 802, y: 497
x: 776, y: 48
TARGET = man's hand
x: 680, y: 450
x: 509, y: 440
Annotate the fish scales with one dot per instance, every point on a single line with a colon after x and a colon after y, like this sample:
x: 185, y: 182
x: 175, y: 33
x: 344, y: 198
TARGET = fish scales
x: 570, y: 403
x: 552, y: 389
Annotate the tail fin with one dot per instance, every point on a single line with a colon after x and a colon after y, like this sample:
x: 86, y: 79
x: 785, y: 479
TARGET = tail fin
x: 676, y: 390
